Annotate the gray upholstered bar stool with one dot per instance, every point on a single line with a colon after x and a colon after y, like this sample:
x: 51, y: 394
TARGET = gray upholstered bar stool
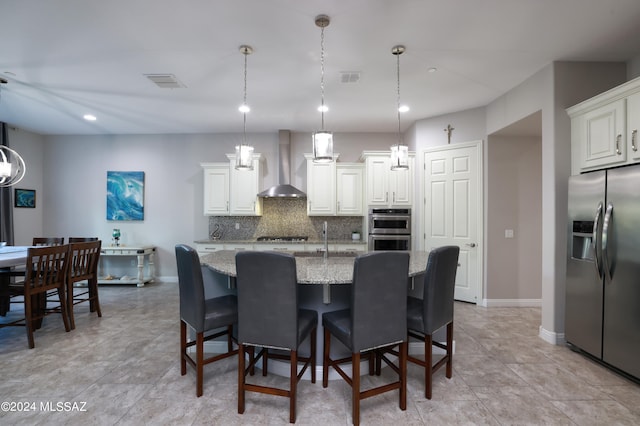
x: 434, y: 311
x: 269, y: 318
x: 375, y: 321
x: 200, y: 314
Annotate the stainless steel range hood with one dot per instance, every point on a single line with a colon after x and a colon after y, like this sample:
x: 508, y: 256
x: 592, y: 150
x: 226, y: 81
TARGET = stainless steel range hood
x: 283, y: 189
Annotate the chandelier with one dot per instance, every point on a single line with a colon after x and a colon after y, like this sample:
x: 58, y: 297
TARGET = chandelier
x: 322, y: 139
x: 399, y: 151
x: 12, y: 167
x: 244, y: 152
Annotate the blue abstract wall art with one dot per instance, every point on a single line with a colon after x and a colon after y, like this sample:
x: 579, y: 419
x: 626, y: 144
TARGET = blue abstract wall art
x: 125, y: 195
x: 25, y: 198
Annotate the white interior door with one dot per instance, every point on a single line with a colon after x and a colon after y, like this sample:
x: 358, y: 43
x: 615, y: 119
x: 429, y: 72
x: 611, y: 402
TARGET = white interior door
x: 453, y: 210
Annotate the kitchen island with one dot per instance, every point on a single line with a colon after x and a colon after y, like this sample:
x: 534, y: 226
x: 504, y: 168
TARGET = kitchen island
x: 311, y: 267
x: 325, y: 285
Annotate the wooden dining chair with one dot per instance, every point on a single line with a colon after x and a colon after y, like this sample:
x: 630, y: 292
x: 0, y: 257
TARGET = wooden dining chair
x: 15, y: 288
x: 48, y: 241
x: 82, y: 239
x: 46, y: 270
x: 83, y: 266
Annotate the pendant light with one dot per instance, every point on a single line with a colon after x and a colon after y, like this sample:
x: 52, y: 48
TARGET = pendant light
x: 12, y: 167
x: 399, y: 151
x: 322, y: 139
x: 244, y: 152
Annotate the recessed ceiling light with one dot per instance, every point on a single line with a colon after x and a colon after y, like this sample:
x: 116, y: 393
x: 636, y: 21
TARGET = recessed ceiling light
x: 432, y: 69
x: 323, y: 108
x: 89, y: 117
x: 403, y: 108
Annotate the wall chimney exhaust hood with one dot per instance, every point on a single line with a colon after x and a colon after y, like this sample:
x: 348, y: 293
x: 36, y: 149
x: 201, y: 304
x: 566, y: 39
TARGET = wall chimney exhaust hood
x: 283, y: 189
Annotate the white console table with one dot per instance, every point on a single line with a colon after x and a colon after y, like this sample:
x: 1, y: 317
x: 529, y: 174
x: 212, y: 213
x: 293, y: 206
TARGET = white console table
x: 142, y: 253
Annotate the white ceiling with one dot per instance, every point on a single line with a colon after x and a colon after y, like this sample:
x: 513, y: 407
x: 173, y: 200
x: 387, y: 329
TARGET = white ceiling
x: 65, y: 58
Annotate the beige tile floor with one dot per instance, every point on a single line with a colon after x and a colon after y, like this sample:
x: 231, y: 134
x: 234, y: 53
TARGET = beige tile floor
x: 123, y: 369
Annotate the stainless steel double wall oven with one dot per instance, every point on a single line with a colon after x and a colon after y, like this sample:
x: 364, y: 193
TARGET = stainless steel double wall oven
x: 389, y: 229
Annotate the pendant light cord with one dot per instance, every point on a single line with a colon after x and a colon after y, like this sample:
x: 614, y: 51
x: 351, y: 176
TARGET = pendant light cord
x: 244, y: 113
x: 322, y: 75
x: 398, y: 97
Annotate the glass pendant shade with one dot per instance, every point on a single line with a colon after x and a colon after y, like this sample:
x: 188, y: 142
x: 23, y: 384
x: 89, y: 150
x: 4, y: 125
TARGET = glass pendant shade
x: 244, y: 157
x: 322, y: 147
x: 399, y: 157
x: 12, y: 167
x: 399, y: 151
x: 322, y: 139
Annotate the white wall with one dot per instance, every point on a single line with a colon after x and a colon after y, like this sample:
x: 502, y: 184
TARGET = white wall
x: 551, y: 90
x: 514, y: 189
x: 71, y: 183
x: 27, y: 222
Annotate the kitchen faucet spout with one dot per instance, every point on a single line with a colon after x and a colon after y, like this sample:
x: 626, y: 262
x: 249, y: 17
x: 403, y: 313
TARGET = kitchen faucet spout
x: 326, y: 240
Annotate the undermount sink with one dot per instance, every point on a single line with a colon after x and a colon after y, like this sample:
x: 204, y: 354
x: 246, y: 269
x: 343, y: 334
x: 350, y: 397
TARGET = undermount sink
x: 320, y: 254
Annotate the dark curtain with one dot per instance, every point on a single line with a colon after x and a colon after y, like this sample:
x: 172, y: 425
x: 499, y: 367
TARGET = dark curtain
x: 6, y: 200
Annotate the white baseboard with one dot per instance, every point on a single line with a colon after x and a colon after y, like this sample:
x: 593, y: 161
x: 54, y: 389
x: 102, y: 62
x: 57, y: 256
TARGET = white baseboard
x: 552, y: 337
x: 512, y: 303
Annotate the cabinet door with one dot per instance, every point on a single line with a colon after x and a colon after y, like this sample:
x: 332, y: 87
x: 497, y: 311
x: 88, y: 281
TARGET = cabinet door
x: 349, y: 185
x: 633, y: 126
x: 245, y: 185
x: 216, y: 189
x: 604, y: 136
x: 401, y: 185
x: 321, y: 188
x: 377, y: 181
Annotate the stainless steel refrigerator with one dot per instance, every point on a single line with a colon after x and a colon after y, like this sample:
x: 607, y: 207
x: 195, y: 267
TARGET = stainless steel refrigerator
x: 603, y: 267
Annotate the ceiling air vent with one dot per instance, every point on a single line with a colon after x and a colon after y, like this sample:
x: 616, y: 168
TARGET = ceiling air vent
x: 349, y: 76
x: 165, y: 81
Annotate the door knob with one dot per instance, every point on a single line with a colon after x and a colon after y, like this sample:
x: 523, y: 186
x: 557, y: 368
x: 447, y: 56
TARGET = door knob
x: 472, y: 245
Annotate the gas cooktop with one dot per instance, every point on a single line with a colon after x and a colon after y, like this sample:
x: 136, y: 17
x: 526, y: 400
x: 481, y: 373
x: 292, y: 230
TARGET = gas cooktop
x: 286, y: 239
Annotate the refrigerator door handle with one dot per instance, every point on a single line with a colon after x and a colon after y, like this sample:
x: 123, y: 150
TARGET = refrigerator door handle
x: 595, y: 241
x: 605, y: 239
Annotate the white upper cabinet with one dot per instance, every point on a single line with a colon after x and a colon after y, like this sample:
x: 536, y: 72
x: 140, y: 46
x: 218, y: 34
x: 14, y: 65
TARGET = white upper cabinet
x: 216, y: 188
x: 349, y: 188
x: 244, y: 187
x: 604, y: 129
x: 321, y: 187
x: 386, y: 187
x: 633, y: 126
x: 228, y: 191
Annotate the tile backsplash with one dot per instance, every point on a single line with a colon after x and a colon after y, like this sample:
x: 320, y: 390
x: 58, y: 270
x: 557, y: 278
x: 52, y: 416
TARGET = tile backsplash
x: 284, y: 217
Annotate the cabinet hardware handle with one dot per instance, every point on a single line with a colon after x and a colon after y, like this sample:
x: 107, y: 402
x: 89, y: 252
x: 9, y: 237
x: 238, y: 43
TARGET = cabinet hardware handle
x: 472, y: 245
x: 618, y: 144
x: 634, y: 135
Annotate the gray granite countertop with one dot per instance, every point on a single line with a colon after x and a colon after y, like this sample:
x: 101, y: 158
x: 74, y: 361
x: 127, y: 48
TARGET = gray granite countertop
x: 312, y: 270
x: 226, y: 241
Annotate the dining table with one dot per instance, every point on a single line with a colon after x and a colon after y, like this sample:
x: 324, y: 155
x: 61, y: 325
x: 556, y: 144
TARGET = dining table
x: 10, y: 256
